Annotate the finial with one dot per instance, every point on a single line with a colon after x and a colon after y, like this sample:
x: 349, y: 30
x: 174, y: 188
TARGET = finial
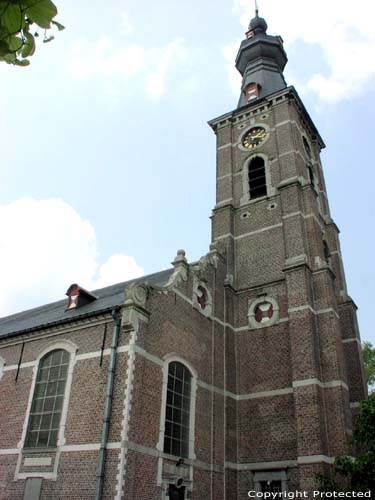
x: 256, y: 8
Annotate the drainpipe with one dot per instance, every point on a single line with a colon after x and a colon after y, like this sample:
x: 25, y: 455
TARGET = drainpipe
x: 108, y: 403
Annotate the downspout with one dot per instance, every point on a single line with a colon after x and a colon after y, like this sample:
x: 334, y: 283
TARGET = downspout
x: 108, y: 402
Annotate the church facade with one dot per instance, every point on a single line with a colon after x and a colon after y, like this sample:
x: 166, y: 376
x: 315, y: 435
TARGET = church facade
x: 239, y: 373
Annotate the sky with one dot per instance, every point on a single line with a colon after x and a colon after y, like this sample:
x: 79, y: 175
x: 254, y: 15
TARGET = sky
x: 108, y: 164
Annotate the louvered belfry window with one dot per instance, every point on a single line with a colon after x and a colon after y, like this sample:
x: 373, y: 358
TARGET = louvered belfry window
x: 257, y: 178
x: 48, y: 397
x: 177, y: 411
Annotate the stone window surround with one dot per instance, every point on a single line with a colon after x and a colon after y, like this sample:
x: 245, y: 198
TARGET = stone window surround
x: 277, y: 475
x: 271, y: 191
x: 253, y: 324
x: 167, y: 359
x: 72, y: 349
x: 207, y: 311
x: 170, y: 358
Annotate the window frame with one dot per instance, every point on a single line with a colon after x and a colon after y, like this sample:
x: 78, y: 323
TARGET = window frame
x: 270, y: 191
x: 72, y: 350
x: 41, y: 415
x: 193, y: 390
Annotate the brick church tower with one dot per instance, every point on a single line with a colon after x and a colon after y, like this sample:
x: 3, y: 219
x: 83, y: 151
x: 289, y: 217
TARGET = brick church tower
x: 299, y: 361
x: 238, y: 373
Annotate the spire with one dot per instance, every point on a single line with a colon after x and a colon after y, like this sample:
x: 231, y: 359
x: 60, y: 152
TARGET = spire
x: 257, y: 24
x: 261, y: 60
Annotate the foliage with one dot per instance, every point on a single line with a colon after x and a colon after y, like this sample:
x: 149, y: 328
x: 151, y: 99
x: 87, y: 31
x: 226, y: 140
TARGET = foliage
x: 18, y: 21
x: 369, y: 361
x: 356, y: 474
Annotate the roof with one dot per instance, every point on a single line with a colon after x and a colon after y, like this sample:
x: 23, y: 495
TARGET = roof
x: 56, y: 312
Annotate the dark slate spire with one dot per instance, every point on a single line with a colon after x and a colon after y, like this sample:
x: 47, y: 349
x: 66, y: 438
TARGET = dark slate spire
x: 261, y: 60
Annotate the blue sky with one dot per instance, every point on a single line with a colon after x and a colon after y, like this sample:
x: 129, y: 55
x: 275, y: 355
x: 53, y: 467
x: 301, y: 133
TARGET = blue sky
x: 107, y: 161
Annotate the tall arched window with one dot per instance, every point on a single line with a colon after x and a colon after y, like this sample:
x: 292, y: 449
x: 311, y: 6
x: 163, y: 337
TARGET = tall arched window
x: 48, y: 398
x: 177, y: 410
x: 257, y: 178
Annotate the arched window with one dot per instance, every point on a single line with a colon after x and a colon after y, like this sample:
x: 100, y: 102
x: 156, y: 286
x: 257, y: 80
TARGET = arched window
x: 257, y: 178
x: 177, y: 410
x: 48, y: 398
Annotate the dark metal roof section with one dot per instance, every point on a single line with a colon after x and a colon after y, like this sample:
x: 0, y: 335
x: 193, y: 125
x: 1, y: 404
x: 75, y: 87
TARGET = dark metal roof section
x: 55, y: 314
x: 261, y: 60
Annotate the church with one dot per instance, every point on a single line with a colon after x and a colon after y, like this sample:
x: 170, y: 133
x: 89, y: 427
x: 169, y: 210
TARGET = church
x: 220, y: 379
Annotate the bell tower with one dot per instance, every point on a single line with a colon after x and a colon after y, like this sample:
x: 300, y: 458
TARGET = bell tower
x: 298, y: 369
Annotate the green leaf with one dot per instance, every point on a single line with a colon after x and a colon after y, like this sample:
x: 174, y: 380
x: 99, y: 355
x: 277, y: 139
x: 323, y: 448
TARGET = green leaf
x: 4, y: 48
x: 42, y: 13
x: 29, y: 47
x: 15, y: 43
x: 22, y: 62
x: 59, y: 26
x: 10, y: 58
x: 12, y: 18
x: 4, y: 33
x: 48, y: 39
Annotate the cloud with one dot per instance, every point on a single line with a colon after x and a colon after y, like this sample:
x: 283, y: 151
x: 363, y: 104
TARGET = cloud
x: 343, y: 32
x: 148, y: 67
x: 127, y: 27
x: 45, y: 246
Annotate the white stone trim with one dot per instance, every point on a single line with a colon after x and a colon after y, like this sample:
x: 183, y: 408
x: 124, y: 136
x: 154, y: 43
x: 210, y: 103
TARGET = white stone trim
x: 9, y: 451
x: 314, y: 459
x: 93, y: 354
x: 44, y: 475
x: 354, y: 339
x: 264, y: 394
x: 222, y: 177
x: 324, y: 385
x: 251, y: 233
x: 223, y: 202
x: 148, y: 356
x: 262, y: 230
x: 28, y: 364
x: 356, y: 404
x: 309, y: 308
x: 224, y: 146
x: 307, y: 216
x: 126, y: 416
x: 71, y: 348
x: 281, y: 464
x: 37, y: 461
x: 223, y: 236
x: 71, y: 448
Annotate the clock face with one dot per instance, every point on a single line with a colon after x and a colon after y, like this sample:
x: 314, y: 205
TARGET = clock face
x: 254, y: 137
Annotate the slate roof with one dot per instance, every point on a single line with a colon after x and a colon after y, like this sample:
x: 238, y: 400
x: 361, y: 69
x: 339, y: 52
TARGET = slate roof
x: 56, y: 313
